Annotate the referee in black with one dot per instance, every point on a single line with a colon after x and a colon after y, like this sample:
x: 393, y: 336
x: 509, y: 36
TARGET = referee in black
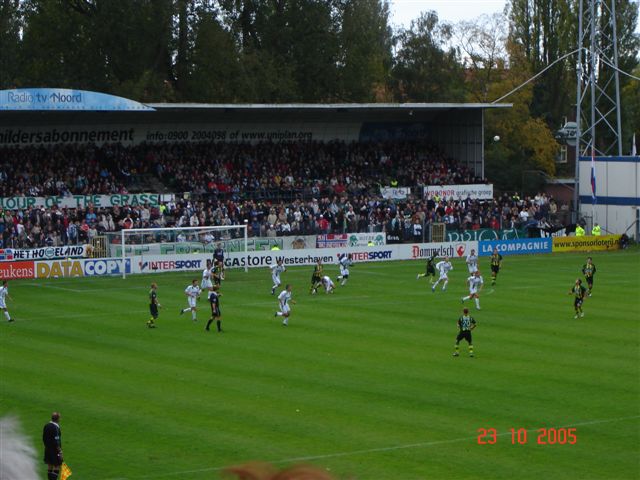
x: 466, y: 323
x: 52, y: 439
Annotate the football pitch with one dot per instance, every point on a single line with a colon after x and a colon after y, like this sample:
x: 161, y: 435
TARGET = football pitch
x: 362, y: 382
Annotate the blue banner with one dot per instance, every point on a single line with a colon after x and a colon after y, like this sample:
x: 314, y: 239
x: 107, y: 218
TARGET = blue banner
x: 65, y: 99
x: 519, y: 246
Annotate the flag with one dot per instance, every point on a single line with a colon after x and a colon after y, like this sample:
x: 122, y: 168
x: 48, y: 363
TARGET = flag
x: 593, y: 178
x: 65, y: 472
x: 633, y: 146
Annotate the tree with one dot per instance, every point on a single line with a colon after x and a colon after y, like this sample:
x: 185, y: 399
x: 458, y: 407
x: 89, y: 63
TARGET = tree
x: 425, y: 69
x: 216, y: 73
x: 10, y: 23
x: 526, y: 142
x: 547, y: 30
x: 482, y: 44
x: 365, y: 47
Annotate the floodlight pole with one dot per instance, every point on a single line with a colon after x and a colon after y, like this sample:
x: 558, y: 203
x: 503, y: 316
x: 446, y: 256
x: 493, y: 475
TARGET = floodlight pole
x: 604, y: 109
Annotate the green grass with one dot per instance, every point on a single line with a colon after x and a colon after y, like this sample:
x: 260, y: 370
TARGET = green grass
x: 362, y: 382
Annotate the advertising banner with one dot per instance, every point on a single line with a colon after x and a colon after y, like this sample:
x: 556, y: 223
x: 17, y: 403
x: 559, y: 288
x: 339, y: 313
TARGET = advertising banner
x: 135, y: 134
x: 395, y: 193
x: 305, y: 257
x: 65, y: 99
x: 460, y: 192
x: 83, y: 201
x: 80, y: 268
x: 586, y: 243
x: 523, y: 246
x: 44, y: 253
x: 423, y: 250
x: 344, y: 240
x: 485, y: 234
x: 16, y: 270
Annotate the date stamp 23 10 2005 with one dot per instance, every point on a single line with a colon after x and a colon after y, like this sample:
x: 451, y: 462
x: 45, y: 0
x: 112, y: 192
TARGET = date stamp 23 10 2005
x: 544, y: 436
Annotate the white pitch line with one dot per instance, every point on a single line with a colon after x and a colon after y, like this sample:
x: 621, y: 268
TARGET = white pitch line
x: 376, y: 450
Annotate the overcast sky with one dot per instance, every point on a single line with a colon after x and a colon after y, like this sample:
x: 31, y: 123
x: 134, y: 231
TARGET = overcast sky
x: 403, y: 11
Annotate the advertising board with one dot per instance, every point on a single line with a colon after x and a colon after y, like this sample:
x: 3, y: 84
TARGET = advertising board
x: 519, y: 246
x: 586, y: 243
x: 17, y: 270
x: 460, y: 192
x: 80, y: 268
x: 344, y: 240
x: 44, y: 253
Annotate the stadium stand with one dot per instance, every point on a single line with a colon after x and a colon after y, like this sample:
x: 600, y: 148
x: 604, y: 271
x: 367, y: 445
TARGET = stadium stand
x: 277, y: 188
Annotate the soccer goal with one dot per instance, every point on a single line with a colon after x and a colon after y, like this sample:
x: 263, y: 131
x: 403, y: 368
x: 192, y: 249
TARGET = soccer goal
x: 154, y: 247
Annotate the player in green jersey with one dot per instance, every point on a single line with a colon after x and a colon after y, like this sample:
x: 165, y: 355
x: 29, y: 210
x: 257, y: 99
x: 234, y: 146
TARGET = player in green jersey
x: 579, y: 292
x: 496, y: 263
x: 316, y: 277
x: 430, y: 269
x: 589, y: 270
x: 466, y: 323
x: 153, y: 305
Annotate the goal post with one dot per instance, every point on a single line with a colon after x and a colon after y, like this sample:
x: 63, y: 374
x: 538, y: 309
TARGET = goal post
x: 176, y: 243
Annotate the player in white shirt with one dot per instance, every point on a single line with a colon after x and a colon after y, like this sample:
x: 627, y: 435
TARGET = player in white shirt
x: 444, y: 267
x: 345, y: 262
x: 472, y: 262
x: 276, y: 271
x: 328, y: 284
x: 206, y: 284
x: 4, y: 294
x: 475, y: 283
x: 193, y: 293
x: 285, y: 310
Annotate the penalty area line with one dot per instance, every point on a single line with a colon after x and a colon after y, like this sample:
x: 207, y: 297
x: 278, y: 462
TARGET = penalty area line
x: 375, y: 450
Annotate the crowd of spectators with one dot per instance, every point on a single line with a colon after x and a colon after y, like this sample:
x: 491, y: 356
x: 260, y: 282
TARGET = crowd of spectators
x: 332, y: 188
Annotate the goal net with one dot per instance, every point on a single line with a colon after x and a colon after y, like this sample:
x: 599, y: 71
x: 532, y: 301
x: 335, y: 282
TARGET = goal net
x: 151, y: 250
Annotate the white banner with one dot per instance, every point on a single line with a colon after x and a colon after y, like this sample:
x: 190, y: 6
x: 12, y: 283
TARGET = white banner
x: 305, y: 257
x: 395, y: 193
x: 83, y: 201
x: 460, y: 192
x: 44, y: 253
x: 343, y: 240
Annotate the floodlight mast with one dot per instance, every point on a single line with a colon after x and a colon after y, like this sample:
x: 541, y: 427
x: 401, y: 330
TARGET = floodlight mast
x: 597, y: 109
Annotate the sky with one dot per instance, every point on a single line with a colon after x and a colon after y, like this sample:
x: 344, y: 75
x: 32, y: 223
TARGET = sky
x: 403, y: 11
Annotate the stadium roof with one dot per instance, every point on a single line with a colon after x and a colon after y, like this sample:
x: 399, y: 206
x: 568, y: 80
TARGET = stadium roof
x: 326, y: 106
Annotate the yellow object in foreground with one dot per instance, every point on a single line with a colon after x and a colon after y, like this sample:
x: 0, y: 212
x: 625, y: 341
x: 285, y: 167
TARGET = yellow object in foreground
x: 65, y: 472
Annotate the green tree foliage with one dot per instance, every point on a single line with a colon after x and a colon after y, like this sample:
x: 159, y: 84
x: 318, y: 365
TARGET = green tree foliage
x: 365, y: 46
x: 526, y: 142
x: 10, y: 23
x: 425, y: 69
x: 547, y: 30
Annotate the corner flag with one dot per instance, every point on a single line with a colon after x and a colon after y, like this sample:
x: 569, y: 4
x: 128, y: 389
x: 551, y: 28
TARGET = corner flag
x: 65, y: 472
x: 593, y: 178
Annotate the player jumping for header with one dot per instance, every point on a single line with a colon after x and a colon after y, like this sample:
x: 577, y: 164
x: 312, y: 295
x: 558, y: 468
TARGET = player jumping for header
x: 589, y: 270
x: 276, y: 270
